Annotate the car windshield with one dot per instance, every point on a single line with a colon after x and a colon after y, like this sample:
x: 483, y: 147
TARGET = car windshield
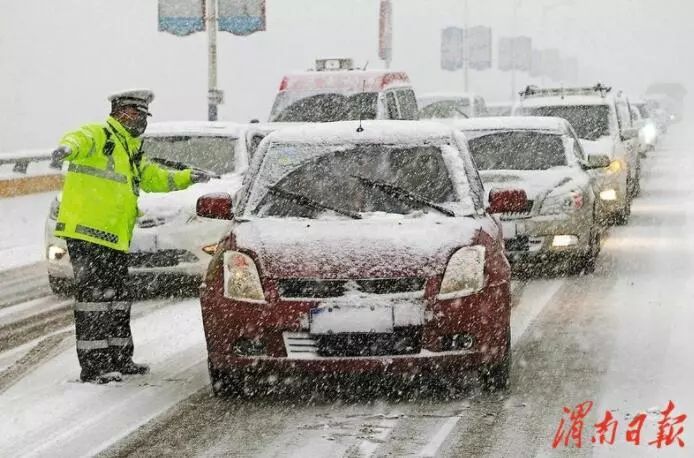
x: 309, y: 180
x: 589, y: 121
x: 446, y: 109
x: 206, y: 152
x: 325, y: 107
x: 518, y: 151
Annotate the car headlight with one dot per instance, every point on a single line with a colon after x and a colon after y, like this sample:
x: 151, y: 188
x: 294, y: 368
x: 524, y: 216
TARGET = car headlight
x: 562, y: 203
x: 464, y: 273
x: 241, y: 279
x: 649, y: 133
x: 615, y: 166
x: 608, y: 194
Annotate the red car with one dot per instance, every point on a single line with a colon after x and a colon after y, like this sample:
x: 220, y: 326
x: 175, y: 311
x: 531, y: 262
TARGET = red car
x: 359, y: 250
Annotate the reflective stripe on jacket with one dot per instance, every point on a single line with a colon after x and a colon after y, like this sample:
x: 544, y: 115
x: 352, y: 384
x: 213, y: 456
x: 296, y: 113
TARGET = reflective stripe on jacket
x: 105, y: 174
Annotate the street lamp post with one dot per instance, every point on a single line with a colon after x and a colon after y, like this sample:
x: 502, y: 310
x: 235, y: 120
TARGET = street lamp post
x: 466, y: 46
x: 212, y: 92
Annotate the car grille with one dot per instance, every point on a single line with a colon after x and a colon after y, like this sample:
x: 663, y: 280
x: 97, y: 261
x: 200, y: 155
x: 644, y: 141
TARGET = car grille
x: 519, y: 243
x: 319, y: 288
x: 404, y: 341
x: 161, y: 258
x: 526, y: 213
x: 146, y: 223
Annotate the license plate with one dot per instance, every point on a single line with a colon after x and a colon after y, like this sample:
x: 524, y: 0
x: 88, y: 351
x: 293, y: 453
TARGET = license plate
x: 346, y: 319
x: 143, y: 242
x: 509, y: 229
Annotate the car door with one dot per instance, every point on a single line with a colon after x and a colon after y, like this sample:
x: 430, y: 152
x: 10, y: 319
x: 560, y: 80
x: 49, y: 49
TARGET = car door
x: 598, y: 178
x: 628, y: 143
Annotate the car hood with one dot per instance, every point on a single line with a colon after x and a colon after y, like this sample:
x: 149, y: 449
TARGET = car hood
x: 160, y: 208
x: 377, y: 247
x: 603, y: 145
x: 535, y: 183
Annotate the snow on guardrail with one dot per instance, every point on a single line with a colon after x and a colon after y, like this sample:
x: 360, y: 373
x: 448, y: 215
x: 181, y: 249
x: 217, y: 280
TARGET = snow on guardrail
x: 27, y: 172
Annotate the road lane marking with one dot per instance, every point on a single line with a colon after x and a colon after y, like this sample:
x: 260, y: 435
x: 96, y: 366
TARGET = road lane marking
x: 534, y: 297
x: 435, y: 443
x: 369, y: 446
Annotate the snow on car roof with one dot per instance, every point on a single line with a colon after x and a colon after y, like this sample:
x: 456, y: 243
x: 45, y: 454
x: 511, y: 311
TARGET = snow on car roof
x: 201, y: 128
x: 510, y: 123
x: 397, y: 132
x: 346, y: 80
x: 499, y: 104
x: 432, y: 97
x: 566, y: 100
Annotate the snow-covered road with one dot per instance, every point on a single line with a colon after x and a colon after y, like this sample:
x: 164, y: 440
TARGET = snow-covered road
x: 620, y: 338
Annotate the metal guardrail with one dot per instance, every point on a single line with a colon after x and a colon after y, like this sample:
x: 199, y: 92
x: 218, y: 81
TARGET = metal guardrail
x: 21, y: 161
x: 24, y: 179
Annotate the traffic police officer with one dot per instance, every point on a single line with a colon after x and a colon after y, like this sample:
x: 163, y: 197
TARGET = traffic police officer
x: 98, y: 209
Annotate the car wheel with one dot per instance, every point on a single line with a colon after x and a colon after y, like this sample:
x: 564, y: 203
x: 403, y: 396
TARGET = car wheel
x: 224, y: 384
x: 495, y: 377
x: 60, y: 286
x: 637, y: 181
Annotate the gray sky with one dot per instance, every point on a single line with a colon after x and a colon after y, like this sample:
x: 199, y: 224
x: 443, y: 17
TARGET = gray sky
x: 60, y: 59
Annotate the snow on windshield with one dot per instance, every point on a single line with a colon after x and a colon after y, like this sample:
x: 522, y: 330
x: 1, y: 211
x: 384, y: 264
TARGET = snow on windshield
x: 517, y: 150
x: 315, y: 106
x: 206, y: 152
x: 306, y: 180
x: 589, y: 121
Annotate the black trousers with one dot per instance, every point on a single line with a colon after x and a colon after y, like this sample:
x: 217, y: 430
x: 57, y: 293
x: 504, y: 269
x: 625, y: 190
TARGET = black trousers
x: 102, y: 307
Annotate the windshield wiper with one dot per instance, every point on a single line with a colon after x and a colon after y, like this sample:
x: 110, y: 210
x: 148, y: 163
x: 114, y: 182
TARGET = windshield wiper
x: 403, y: 194
x: 181, y: 166
x: 308, y: 202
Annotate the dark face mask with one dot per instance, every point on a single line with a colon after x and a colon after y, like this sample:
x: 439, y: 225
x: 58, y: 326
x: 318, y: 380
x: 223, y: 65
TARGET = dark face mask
x: 137, y: 126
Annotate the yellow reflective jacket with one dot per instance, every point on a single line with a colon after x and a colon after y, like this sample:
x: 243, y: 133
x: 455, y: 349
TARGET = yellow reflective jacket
x: 106, y: 171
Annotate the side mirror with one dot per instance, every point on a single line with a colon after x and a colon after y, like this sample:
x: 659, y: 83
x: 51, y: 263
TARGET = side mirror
x: 598, y: 161
x: 508, y: 201
x: 254, y: 121
x: 216, y: 206
x: 629, y: 133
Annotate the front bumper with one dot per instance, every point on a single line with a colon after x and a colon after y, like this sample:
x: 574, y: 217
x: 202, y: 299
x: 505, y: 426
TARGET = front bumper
x: 170, y: 251
x: 484, y: 316
x: 534, y: 237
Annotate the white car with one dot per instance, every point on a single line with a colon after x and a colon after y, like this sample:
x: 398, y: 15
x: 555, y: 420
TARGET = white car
x: 603, y: 123
x: 543, y: 157
x: 451, y: 105
x: 171, y: 246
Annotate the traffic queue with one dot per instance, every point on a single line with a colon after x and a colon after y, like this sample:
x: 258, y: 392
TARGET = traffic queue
x: 365, y: 231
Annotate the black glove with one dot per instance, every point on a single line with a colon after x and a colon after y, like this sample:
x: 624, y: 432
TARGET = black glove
x: 198, y: 176
x: 58, y: 156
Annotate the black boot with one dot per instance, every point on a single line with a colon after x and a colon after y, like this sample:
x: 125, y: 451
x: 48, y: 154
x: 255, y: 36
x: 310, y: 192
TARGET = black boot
x: 132, y: 368
x: 100, y: 378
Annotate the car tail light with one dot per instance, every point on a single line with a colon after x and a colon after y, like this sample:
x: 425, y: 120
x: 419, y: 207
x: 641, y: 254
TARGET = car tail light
x: 284, y: 84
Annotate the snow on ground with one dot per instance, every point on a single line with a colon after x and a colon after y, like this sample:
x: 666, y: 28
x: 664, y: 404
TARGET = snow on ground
x: 49, y: 412
x: 21, y: 232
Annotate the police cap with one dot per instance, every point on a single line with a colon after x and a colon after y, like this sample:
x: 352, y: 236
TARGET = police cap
x: 139, y: 98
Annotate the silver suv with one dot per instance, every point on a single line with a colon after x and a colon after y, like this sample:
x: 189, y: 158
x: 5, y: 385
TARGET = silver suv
x: 603, y: 122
